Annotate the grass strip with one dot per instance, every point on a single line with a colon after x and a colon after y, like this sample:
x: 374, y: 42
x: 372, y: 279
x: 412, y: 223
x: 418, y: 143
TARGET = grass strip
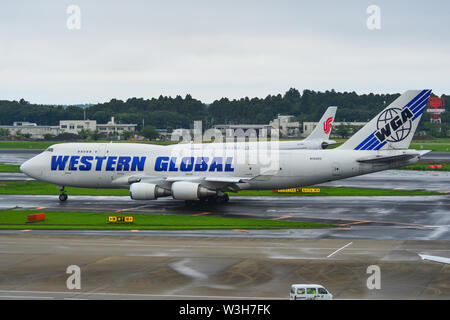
x: 42, y: 188
x: 17, y: 219
x: 9, y: 168
x: 434, y: 147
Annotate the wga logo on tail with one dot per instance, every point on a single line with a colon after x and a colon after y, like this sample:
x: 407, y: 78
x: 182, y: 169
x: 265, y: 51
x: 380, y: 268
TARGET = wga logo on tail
x: 394, y: 125
x: 327, y: 125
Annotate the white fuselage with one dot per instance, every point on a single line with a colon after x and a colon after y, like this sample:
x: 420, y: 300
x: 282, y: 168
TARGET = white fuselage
x: 111, y: 165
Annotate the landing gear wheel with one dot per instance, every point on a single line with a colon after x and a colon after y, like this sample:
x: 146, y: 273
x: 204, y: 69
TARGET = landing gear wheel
x: 225, y: 197
x: 63, y: 197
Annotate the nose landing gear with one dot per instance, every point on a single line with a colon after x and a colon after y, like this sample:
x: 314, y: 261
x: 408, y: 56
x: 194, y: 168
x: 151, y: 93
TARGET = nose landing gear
x: 62, y: 195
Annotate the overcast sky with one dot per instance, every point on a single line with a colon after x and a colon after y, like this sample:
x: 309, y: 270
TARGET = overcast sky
x: 214, y: 49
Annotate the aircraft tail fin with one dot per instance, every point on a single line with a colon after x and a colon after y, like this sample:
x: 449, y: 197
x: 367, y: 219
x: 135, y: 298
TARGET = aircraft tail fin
x: 323, y: 129
x: 394, y: 127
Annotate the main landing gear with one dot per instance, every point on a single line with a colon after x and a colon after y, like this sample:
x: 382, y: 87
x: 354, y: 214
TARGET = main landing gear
x: 62, y: 194
x: 209, y: 200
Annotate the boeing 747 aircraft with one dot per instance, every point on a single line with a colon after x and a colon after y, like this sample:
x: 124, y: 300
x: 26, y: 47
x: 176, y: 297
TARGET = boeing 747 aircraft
x: 208, y: 171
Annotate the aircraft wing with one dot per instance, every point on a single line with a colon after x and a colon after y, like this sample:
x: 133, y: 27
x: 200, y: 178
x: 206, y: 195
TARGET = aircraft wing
x: 227, y: 179
x: 213, y: 182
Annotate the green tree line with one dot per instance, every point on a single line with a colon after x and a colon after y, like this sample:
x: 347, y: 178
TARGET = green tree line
x: 167, y: 112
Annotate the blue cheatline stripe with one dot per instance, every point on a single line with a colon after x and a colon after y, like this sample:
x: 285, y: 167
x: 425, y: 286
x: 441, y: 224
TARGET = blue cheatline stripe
x: 373, y: 144
x: 370, y: 143
x: 419, y: 103
x: 419, y: 113
x: 419, y: 108
x: 381, y: 145
x: 364, y: 147
x: 423, y: 102
x: 365, y: 140
x: 415, y: 99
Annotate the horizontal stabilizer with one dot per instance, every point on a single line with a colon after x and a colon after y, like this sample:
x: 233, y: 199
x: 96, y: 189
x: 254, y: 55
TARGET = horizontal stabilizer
x: 381, y: 159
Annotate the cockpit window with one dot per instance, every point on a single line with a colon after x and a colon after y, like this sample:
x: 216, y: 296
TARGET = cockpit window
x: 50, y: 150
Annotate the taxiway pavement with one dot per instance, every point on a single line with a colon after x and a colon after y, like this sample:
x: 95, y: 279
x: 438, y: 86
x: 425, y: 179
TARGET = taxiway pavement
x: 34, y: 267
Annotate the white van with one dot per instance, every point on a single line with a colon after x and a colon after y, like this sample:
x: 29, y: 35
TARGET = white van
x: 309, y: 292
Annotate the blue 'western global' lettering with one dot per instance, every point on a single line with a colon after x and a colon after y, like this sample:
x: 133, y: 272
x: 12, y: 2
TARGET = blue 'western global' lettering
x: 197, y: 164
x: 87, y: 163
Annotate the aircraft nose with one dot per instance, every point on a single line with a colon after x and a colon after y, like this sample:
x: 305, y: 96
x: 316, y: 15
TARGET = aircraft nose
x: 29, y: 168
x: 25, y: 167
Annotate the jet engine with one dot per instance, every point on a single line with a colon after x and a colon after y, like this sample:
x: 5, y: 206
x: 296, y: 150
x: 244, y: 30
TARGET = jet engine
x: 147, y: 191
x: 183, y: 190
x: 326, y: 143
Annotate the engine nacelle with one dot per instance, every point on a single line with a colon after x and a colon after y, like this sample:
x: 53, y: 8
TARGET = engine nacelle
x: 326, y: 143
x: 147, y: 191
x: 183, y: 190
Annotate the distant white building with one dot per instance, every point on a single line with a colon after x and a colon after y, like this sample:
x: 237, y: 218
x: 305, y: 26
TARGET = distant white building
x: 115, y: 128
x: 68, y: 126
x: 31, y: 129
x: 288, y: 126
x: 75, y: 126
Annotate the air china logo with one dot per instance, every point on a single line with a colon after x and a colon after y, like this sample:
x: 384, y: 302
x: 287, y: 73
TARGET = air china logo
x: 327, y: 125
x: 394, y: 125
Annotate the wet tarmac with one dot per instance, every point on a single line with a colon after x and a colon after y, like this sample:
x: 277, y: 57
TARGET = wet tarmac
x: 17, y: 156
x: 383, y: 218
x: 34, y: 267
x: 438, y: 181
x: 12, y: 176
